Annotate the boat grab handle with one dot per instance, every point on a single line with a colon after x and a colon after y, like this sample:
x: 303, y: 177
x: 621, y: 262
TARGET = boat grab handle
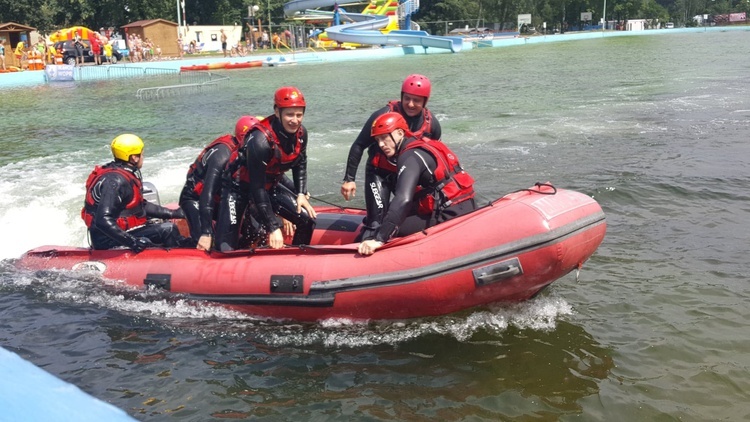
x: 495, y: 272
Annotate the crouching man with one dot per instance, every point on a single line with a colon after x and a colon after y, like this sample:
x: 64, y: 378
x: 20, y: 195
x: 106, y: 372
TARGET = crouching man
x: 115, y: 211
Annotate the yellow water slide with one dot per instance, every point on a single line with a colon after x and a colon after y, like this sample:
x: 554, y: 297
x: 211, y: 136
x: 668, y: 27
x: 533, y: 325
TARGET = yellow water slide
x: 384, y: 8
x: 375, y: 8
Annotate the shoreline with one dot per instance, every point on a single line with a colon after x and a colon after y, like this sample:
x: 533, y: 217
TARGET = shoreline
x: 37, y: 77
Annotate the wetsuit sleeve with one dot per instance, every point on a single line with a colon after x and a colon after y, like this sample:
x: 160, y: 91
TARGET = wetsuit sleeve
x: 157, y: 211
x: 363, y: 141
x: 214, y: 168
x: 258, y: 153
x: 299, y: 171
x: 412, y: 165
x: 115, y: 194
x: 286, y: 182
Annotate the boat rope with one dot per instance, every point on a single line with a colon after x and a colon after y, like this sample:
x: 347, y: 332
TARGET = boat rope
x: 539, y: 185
x: 327, y: 203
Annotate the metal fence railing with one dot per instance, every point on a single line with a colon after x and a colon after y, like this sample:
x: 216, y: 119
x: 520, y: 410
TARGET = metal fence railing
x: 171, y: 82
x: 95, y: 73
x: 190, y: 83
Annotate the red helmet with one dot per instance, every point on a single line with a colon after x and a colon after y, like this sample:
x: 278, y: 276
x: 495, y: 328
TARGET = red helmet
x: 243, y: 125
x: 387, y: 123
x: 288, y: 96
x: 417, y: 85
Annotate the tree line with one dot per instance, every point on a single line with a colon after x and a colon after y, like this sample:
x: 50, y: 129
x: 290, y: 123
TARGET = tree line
x: 434, y: 16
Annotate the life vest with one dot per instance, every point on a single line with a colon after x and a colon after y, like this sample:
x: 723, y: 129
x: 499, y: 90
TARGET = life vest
x: 451, y: 184
x: 133, y: 215
x: 197, y: 172
x: 279, y: 162
x: 379, y: 160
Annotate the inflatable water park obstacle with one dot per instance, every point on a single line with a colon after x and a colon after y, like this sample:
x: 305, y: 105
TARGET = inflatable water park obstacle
x: 222, y: 66
x: 505, y: 251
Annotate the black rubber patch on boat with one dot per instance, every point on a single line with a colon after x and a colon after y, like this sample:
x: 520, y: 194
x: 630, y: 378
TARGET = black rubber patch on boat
x: 287, y: 283
x: 159, y: 281
x: 497, y: 272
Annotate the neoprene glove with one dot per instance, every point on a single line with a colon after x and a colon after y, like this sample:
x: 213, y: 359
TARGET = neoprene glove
x: 178, y: 213
x: 141, y: 243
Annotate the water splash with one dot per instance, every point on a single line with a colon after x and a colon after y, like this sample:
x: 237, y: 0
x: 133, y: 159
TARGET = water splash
x: 175, y: 312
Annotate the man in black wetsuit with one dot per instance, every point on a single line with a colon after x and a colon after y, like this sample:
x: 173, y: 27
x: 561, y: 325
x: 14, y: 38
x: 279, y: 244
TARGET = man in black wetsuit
x: 201, y: 194
x: 431, y: 186
x: 379, y: 173
x: 276, y: 144
x: 115, y: 210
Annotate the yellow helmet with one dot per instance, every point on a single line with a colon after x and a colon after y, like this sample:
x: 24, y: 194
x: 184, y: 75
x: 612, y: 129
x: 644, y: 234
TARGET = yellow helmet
x: 126, y: 145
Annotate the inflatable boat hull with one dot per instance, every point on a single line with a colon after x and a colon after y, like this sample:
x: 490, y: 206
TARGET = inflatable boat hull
x: 506, y: 251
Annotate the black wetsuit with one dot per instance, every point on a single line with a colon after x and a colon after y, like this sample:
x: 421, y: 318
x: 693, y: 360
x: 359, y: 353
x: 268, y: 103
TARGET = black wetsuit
x: 267, y: 201
x: 201, y: 210
x: 379, y: 183
x: 416, y: 168
x: 112, y: 193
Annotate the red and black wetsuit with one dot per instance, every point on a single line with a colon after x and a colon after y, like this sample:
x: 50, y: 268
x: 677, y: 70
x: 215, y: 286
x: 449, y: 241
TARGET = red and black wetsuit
x: 254, y: 175
x: 431, y: 188
x: 201, y: 194
x: 379, y: 175
x: 116, y: 212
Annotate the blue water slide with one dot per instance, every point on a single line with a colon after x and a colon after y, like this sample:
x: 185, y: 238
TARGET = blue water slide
x: 368, y: 31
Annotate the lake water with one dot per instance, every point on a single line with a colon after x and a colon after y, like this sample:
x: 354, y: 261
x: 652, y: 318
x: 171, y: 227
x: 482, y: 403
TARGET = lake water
x: 655, y: 128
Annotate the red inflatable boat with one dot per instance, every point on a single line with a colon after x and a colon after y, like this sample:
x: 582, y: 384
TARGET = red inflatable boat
x: 508, y: 250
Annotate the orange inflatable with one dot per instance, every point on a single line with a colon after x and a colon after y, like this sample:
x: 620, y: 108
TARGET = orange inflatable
x: 69, y: 34
x: 194, y: 67
x: 244, y: 65
x: 219, y: 65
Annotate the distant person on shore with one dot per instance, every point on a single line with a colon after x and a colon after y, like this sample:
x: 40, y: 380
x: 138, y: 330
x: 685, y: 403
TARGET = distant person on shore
x: 41, y: 48
x: 78, y: 46
x: 180, y: 47
x: 96, y: 49
x: 223, y: 43
x: 115, y: 211
x: 20, y: 54
x: 200, y: 196
x: 380, y: 174
x: 2, y: 54
x: 51, y: 53
x: 108, y: 52
x: 431, y: 185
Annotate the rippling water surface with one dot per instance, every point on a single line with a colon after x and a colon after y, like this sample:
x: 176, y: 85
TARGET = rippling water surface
x: 655, y: 128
